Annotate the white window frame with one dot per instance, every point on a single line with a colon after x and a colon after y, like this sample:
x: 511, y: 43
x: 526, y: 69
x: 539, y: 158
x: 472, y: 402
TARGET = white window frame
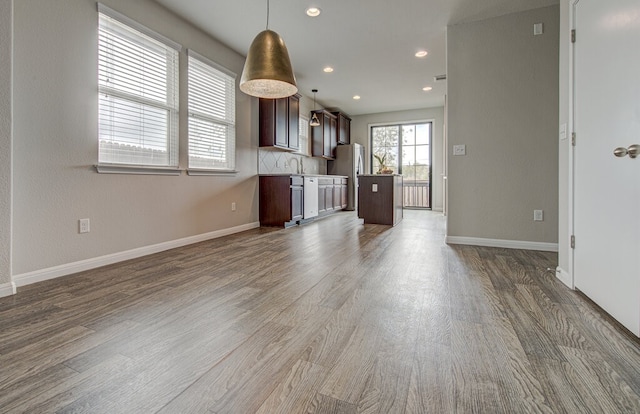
x: 211, y: 107
x: 303, y: 134
x: 116, y: 154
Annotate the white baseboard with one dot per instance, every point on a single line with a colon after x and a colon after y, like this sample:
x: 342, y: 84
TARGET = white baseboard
x: 564, y: 277
x: 88, y: 264
x: 506, y: 244
x: 7, y: 289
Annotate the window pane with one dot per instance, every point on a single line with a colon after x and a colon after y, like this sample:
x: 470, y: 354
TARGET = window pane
x: 138, y: 97
x: 211, y: 116
x: 131, y: 126
x: 408, y: 135
x: 385, y: 146
x: 423, y: 132
x: 408, y: 155
x: 422, y: 154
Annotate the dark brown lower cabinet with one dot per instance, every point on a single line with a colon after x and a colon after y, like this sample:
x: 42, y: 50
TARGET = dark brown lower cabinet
x: 281, y: 200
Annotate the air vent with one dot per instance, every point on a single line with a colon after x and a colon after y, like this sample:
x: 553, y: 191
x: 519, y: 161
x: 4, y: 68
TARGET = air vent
x: 440, y: 77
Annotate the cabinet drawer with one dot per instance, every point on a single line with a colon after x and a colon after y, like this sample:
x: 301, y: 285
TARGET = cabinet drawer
x: 325, y: 181
x: 297, y: 180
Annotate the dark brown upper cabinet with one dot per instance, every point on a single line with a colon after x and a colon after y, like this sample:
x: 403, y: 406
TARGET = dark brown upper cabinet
x: 324, y: 136
x: 344, y: 128
x: 279, y: 122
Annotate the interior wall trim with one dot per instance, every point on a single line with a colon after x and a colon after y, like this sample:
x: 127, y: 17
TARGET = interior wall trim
x: 564, y: 277
x: 507, y: 244
x: 7, y: 289
x: 88, y: 264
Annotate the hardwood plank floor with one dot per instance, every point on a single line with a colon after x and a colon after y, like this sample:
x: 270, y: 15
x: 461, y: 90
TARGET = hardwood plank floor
x: 331, y: 317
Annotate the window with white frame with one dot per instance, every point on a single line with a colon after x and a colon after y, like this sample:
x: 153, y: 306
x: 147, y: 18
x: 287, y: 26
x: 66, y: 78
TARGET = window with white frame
x: 303, y: 133
x: 212, y: 115
x: 138, y: 88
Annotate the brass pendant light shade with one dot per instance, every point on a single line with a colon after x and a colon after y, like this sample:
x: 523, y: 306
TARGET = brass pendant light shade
x: 267, y: 71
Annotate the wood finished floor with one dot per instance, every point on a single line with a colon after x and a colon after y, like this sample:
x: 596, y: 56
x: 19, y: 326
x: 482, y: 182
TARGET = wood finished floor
x: 330, y: 317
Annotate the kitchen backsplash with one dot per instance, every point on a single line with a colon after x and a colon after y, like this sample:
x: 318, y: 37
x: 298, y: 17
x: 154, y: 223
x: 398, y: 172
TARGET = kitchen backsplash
x: 280, y: 162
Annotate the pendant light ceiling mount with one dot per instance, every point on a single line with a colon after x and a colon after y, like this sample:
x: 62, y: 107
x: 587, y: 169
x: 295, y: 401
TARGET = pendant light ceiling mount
x: 314, y: 118
x: 267, y: 71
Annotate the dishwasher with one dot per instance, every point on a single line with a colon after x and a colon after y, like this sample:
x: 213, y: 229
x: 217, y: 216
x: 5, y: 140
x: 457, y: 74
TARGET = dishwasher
x: 310, y: 200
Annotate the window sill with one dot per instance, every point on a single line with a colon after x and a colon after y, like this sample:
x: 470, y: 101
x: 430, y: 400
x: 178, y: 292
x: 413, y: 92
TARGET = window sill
x: 134, y: 169
x: 196, y: 172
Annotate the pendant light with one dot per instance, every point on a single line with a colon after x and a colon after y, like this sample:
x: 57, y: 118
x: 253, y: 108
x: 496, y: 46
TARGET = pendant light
x: 267, y: 71
x: 314, y: 118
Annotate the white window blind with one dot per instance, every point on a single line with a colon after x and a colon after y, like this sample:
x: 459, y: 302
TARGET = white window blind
x: 303, y: 133
x: 138, y: 88
x: 212, y: 115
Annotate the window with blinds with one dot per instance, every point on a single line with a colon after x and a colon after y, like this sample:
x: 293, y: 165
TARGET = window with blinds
x: 303, y: 134
x: 212, y: 115
x: 138, y: 89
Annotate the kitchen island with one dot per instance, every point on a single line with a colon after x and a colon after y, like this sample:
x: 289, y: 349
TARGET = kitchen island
x: 380, y: 198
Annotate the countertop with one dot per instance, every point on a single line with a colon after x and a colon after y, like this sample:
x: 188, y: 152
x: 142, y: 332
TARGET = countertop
x: 302, y: 175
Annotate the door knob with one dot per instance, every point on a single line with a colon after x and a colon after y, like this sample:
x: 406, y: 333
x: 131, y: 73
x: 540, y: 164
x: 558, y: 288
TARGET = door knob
x: 632, y: 151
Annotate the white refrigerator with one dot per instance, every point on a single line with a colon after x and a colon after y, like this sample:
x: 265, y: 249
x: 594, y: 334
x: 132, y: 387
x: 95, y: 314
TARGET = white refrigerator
x: 350, y: 162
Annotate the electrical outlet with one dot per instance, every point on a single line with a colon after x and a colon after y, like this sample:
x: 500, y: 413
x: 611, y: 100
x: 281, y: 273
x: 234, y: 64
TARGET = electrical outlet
x: 84, y: 226
x: 538, y: 215
x: 459, y: 150
x: 233, y: 206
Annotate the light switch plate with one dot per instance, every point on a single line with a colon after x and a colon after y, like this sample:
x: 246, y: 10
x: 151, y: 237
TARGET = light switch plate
x: 374, y: 188
x: 459, y: 150
x: 538, y: 29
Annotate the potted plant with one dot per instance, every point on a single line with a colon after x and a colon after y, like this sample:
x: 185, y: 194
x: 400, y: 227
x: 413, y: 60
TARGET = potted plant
x: 382, y: 169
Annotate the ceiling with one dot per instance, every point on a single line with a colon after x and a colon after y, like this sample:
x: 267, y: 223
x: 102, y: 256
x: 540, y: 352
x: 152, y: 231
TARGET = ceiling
x: 370, y: 43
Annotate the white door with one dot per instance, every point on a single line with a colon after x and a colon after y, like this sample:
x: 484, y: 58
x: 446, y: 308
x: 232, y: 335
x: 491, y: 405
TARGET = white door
x: 607, y: 188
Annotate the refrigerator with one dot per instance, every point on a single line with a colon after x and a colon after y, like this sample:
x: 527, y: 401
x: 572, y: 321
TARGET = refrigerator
x: 350, y: 162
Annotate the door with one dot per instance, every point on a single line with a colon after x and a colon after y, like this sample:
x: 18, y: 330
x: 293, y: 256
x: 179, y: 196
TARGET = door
x: 416, y: 165
x: 607, y: 187
x: 405, y: 149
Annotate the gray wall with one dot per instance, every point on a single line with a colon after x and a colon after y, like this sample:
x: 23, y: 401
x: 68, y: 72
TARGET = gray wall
x: 360, y: 134
x: 6, y: 18
x: 55, y: 145
x: 503, y: 105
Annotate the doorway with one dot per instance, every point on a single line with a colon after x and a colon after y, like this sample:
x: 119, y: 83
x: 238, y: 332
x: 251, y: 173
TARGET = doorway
x: 405, y: 149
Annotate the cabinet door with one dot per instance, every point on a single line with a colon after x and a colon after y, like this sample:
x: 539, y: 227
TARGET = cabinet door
x: 345, y: 195
x: 325, y: 124
x: 333, y: 136
x: 294, y: 122
x: 281, y: 123
x: 322, y: 204
x: 297, y: 195
x: 344, y: 132
x: 328, y: 197
x: 337, y: 197
x: 267, y: 117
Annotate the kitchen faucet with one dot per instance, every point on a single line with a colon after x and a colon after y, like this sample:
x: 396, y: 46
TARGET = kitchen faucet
x: 297, y: 164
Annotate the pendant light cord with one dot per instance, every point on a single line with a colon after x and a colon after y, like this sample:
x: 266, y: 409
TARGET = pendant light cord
x: 267, y: 15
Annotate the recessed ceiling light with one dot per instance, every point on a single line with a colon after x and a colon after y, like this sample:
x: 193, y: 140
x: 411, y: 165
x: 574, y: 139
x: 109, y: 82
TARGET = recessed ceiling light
x: 313, y: 12
x: 427, y: 88
x: 356, y: 97
x: 421, y: 53
x: 328, y: 69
